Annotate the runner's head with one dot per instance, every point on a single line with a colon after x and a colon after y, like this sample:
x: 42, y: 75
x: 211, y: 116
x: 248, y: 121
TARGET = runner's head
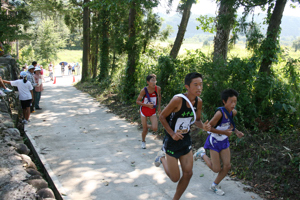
x: 229, y: 98
x: 193, y: 83
x: 151, y: 80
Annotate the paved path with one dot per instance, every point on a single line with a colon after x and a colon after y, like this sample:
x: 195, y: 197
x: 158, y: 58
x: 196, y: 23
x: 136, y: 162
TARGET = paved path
x: 92, y: 154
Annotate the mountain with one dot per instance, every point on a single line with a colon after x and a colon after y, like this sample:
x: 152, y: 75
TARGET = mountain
x: 290, y: 29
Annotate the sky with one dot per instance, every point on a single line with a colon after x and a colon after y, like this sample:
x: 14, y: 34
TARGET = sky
x: 204, y: 7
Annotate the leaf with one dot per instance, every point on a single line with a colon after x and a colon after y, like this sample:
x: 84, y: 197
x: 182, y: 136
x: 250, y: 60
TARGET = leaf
x: 201, y: 175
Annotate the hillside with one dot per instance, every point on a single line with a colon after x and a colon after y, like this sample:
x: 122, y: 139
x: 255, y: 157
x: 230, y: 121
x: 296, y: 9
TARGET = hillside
x: 289, y: 31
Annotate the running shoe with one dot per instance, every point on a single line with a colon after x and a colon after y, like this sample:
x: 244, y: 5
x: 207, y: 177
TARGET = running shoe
x: 7, y: 90
x: 197, y: 155
x: 157, y: 160
x: 216, y: 189
x: 2, y: 94
x: 25, y: 121
x: 143, y: 145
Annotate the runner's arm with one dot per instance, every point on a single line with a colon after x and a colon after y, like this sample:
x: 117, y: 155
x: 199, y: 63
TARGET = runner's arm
x: 139, y: 100
x: 213, y: 122
x: 159, y: 99
x: 237, y: 132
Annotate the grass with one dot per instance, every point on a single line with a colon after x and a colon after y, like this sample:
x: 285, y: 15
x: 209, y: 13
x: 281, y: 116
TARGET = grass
x: 69, y: 56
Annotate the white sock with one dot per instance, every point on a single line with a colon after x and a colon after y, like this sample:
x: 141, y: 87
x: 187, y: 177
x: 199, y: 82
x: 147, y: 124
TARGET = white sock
x: 202, y: 154
x: 213, y: 184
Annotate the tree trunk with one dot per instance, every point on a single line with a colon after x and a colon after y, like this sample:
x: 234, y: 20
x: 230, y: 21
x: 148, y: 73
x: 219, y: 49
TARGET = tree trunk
x: 86, y: 42
x: 104, y: 44
x: 182, y: 28
x: 270, y: 44
x: 225, y: 19
x: 130, y: 79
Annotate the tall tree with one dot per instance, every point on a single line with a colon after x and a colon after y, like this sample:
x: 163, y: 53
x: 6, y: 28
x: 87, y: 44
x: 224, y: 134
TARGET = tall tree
x: 225, y: 20
x: 47, y: 42
x: 104, y: 43
x: 186, y: 7
x: 86, y: 41
x: 132, y: 49
x: 270, y: 45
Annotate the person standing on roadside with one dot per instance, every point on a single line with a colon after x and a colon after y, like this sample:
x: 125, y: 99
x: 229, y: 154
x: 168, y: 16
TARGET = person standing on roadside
x: 25, y: 94
x: 38, y: 88
x: 50, y: 68
x: 31, y: 80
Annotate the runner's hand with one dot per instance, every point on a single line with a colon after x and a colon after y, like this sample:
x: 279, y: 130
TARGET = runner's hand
x: 150, y: 105
x: 177, y: 136
x: 228, y: 132
x: 206, y: 126
x: 239, y: 134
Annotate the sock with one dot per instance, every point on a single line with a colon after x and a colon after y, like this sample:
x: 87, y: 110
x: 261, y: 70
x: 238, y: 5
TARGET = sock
x: 202, y: 154
x: 213, y: 184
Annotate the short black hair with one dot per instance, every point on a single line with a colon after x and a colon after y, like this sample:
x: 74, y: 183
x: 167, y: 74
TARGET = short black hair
x: 34, y: 63
x: 190, y: 76
x: 228, y: 93
x: 148, y: 78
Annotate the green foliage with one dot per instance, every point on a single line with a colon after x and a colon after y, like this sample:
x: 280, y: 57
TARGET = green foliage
x: 48, y: 42
x: 207, y: 24
x: 13, y: 23
x: 254, y: 37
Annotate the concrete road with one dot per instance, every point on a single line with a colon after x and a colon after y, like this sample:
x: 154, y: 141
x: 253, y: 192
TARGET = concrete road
x: 91, y: 154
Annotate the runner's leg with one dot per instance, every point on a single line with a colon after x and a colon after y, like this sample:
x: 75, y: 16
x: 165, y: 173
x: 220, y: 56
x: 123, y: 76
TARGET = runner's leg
x: 154, y: 123
x: 171, y: 167
x: 145, y: 127
x: 214, y: 161
x: 225, y: 156
x: 186, y: 162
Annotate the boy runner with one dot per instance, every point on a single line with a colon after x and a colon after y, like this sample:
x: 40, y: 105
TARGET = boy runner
x: 176, y: 119
x: 217, y: 141
x: 148, y: 103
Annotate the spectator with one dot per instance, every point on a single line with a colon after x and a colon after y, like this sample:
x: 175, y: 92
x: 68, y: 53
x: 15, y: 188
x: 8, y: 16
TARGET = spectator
x: 50, y: 68
x: 31, y: 79
x: 69, y: 69
x: 38, y: 88
x: 62, y: 68
x: 42, y: 73
x: 25, y: 94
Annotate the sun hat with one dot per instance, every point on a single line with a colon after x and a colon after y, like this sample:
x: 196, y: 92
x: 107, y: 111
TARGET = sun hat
x: 23, y: 74
x: 37, y: 69
x: 30, y: 67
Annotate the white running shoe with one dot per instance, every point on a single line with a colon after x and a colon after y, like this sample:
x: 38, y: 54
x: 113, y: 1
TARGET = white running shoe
x: 2, y: 94
x: 157, y: 160
x: 197, y: 155
x: 216, y: 189
x: 143, y: 145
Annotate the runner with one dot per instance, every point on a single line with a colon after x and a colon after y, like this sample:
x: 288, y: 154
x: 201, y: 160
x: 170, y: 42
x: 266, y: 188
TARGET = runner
x: 176, y: 119
x: 148, y: 98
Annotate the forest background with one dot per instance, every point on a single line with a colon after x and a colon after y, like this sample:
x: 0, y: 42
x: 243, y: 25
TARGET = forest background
x: 120, y: 42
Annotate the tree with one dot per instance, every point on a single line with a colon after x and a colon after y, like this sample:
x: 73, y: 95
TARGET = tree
x: 86, y: 41
x: 270, y: 45
x: 296, y: 44
x: 150, y: 28
x: 15, y: 18
x: 186, y: 7
x: 104, y: 43
x: 48, y: 42
x: 225, y: 21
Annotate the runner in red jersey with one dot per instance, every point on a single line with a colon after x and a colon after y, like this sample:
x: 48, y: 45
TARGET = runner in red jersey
x: 149, y: 99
